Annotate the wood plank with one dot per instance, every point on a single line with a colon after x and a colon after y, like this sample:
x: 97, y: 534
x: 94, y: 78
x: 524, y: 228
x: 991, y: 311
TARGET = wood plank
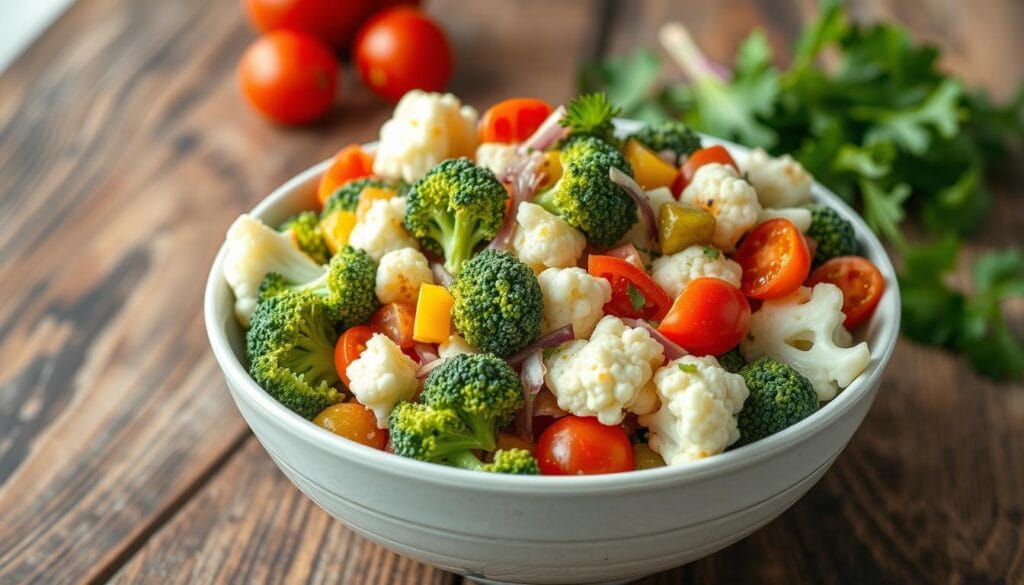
x: 251, y: 525
x: 931, y: 488
x: 125, y: 152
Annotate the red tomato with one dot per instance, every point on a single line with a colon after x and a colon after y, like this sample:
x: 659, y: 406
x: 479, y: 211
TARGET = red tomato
x: 401, y: 49
x: 703, y: 156
x: 576, y: 445
x: 635, y: 295
x: 289, y: 77
x: 351, y: 343
x: 334, y: 22
x: 351, y: 162
x: 774, y: 258
x: 396, y: 320
x: 861, y: 282
x: 354, y: 422
x: 513, y: 120
x: 710, y: 317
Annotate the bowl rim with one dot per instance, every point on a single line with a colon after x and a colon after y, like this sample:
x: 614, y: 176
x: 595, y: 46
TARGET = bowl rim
x: 720, y: 464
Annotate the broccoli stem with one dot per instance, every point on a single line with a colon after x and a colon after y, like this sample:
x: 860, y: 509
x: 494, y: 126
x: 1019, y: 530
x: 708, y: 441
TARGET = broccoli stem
x: 547, y: 201
x: 458, y: 247
x: 465, y: 460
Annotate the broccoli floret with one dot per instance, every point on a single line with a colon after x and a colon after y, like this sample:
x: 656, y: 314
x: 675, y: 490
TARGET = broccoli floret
x: 453, y: 208
x: 482, y: 389
x: 670, y: 135
x: 438, y: 435
x: 290, y: 347
x: 346, y: 197
x: 833, y: 234
x: 586, y: 197
x: 347, y: 288
x: 498, y: 303
x: 732, y: 361
x: 305, y: 232
x: 779, y: 397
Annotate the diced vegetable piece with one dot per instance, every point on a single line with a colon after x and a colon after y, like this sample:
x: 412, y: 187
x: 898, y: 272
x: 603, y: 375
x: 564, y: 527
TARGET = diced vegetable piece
x: 513, y: 120
x: 650, y: 170
x: 351, y: 162
x: 367, y: 196
x: 861, y: 282
x: 433, y: 314
x: 635, y: 295
x: 396, y: 320
x: 646, y: 458
x: 336, y: 229
x: 775, y: 259
x: 550, y: 168
x: 354, y: 422
x: 681, y: 226
x: 351, y: 343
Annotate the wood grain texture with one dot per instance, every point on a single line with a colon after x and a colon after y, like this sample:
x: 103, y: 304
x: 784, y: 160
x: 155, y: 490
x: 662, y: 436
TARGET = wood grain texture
x: 124, y: 155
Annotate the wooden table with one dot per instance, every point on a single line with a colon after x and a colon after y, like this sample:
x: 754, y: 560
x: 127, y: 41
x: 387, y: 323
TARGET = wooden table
x: 125, y: 152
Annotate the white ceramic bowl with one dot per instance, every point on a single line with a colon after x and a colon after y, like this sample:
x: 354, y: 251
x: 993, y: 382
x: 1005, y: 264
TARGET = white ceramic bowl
x: 549, y: 529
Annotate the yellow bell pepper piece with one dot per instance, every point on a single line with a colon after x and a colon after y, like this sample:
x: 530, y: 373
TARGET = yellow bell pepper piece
x: 336, y: 228
x: 551, y: 166
x: 649, y: 170
x: 433, y: 314
x: 368, y: 195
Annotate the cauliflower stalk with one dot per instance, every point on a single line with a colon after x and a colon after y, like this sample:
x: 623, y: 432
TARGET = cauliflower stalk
x: 572, y: 297
x: 400, y: 274
x: 453, y: 346
x: 674, y: 272
x: 382, y: 228
x: 716, y: 188
x: 779, y: 182
x: 253, y: 250
x: 382, y: 376
x: 605, y: 375
x: 700, y: 401
x: 805, y: 330
x: 425, y: 129
x: 543, y: 240
x: 496, y: 156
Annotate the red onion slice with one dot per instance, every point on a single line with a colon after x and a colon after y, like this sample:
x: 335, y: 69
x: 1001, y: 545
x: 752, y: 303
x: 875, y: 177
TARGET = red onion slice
x: 532, y: 376
x: 643, y: 203
x: 441, y: 275
x: 524, y: 178
x: 549, y: 132
x: 426, y: 368
x: 556, y: 337
x: 426, y: 352
x: 672, y: 349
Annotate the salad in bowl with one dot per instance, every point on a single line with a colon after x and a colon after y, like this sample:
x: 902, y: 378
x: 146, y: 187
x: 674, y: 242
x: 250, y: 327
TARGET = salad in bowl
x: 548, y: 291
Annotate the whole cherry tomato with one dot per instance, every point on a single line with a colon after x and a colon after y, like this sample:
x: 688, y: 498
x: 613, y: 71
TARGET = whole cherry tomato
x: 775, y: 259
x: 861, y: 282
x: 576, y: 445
x: 710, y: 317
x: 333, y: 22
x: 354, y: 422
x: 402, y: 49
x: 634, y: 292
x: 289, y: 77
x: 513, y: 120
x: 351, y: 343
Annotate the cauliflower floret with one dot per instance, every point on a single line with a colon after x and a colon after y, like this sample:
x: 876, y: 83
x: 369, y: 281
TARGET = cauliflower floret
x: 800, y: 216
x: 425, y: 129
x: 543, y: 240
x: 254, y: 250
x: 779, y: 182
x: 496, y: 156
x: 716, y: 188
x: 699, y: 404
x: 602, y: 376
x: 675, y: 271
x: 400, y: 274
x: 646, y: 401
x: 382, y: 229
x: 382, y: 376
x: 805, y: 330
x: 637, y: 235
x: 455, y: 345
x: 572, y: 296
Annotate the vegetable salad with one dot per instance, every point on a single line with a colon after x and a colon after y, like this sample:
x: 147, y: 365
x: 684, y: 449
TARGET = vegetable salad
x: 531, y: 292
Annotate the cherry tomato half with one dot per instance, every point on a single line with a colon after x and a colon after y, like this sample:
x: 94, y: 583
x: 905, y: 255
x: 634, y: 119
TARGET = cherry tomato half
x: 710, y: 317
x: 513, y: 120
x: 774, y: 258
x: 289, y: 77
x: 351, y: 162
x: 699, y: 158
x: 861, y: 282
x: 401, y: 49
x: 577, y: 445
x: 396, y: 321
x: 351, y: 343
x: 354, y: 422
x: 634, y: 293
x: 332, y: 22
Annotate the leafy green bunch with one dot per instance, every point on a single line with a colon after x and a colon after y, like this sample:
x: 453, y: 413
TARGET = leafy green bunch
x: 880, y: 124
